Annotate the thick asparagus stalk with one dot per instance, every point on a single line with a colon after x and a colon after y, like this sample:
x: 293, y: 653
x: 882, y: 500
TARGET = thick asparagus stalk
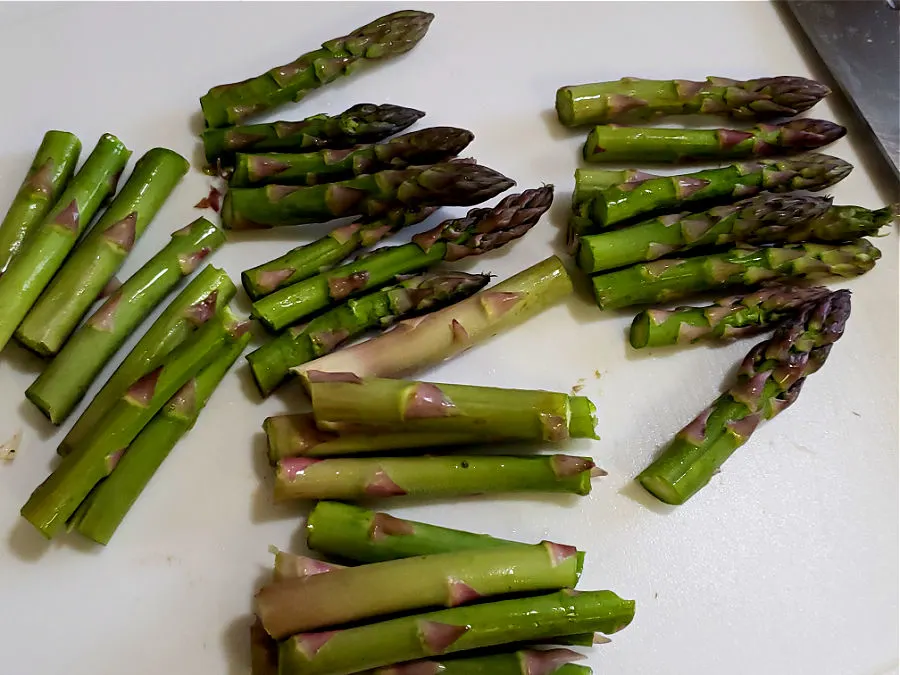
x: 768, y: 381
x: 450, y: 579
x: 726, y: 319
x: 362, y: 123
x: 47, y: 177
x: 522, y: 662
x: 103, y: 511
x: 765, y: 218
x: 314, y: 258
x: 56, y: 499
x: 808, y: 171
x: 387, y: 36
x: 633, y: 99
x: 350, y: 650
x: 381, y: 404
x: 422, y: 342
x: 446, y: 184
x: 60, y: 387
x: 668, y: 280
x: 365, y: 478
x: 271, y: 363
x: 205, y: 295
x: 45, y: 250
x: 479, y: 231
x: 614, y: 143
x: 99, y: 256
x: 426, y: 146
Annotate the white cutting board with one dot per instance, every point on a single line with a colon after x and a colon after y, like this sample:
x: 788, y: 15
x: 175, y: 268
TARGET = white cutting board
x: 785, y: 565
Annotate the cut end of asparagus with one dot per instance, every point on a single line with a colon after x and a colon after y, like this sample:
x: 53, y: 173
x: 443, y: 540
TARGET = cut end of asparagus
x: 582, y: 418
x: 565, y: 107
x: 639, y: 333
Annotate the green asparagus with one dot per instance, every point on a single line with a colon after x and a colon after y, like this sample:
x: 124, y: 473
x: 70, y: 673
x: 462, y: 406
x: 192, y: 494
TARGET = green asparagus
x: 522, y: 662
x: 588, y: 184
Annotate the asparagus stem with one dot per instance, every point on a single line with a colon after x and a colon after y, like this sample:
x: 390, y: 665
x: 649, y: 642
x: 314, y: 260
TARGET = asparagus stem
x: 62, y: 385
x: 49, y: 174
x: 769, y: 380
x: 350, y: 650
x: 673, y: 279
x: 45, y: 250
x: 206, y: 294
x: 419, y: 343
x: 99, y: 256
x: 522, y: 662
x: 271, y: 363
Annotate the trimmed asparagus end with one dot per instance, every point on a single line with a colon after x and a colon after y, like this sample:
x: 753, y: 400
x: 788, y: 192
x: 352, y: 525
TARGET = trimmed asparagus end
x: 582, y: 418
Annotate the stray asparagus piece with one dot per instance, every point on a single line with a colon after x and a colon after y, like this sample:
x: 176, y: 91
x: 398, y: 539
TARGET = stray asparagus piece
x: 389, y: 35
x: 614, y: 143
x: 447, y: 631
x: 449, y: 579
x: 588, y: 184
x: 47, y: 177
x: 98, y: 257
x: 479, y: 231
x: 46, y: 249
x: 419, y: 343
x: 62, y: 385
x: 726, y: 319
x: 522, y: 662
x: 271, y: 364
x: 633, y: 99
x: 362, y: 123
x: 769, y: 380
x: 426, y: 146
x: 206, y: 295
x: 664, y: 281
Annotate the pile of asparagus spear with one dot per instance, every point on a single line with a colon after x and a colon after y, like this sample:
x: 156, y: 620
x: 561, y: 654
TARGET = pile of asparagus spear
x: 752, y: 225
x: 420, y: 599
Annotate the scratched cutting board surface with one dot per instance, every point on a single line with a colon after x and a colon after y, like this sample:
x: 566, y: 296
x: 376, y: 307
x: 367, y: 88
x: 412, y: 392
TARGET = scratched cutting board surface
x: 785, y: 564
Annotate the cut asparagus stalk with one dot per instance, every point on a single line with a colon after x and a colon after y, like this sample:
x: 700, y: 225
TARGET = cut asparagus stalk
x: 522, y: 662
x: 201, y: 299
x: 450, y: 579
x: 489, y: 413
x: 103, y: 511
x: 422, y: 342
x: 99, y: 256
x: 351, y: 650
x: 364, y: 478
x: 62, y: 385
x: 55, y: 500
x: 768, y: 381
x: 49, y: 174
x: 481, y: 230
x: 271, y: 364
x: 589, y: 183
x: 43, y: 253
x: 726, y: 319
x: 748, y: 267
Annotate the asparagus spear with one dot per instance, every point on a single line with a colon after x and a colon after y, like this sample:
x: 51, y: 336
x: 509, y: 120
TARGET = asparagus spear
x: 271, y: 363
x: 728, y: 318
x: 45, y: 250
x: 768, y: 381
x: 479, y: 231
x: 103, y: 511
x: 311, y: 259
x: 422, y: 342
x: 426, y: 146
x: 446, y: 184
x: 205, y: 295
x: 361, y: 123
x: 60, y: 387
x: 521, y: 662
x: 48, y: 175
x: 56, y: 499
x: 634, y: 99
x: 388, y: 35
x: 99, y: 256
x: 809, y: 171
x: 447, y: 631
x: 379, y: 404
x: 667, y: 280
x: 449, y: 579
x: 614, y: 143
x: 364, y: 478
